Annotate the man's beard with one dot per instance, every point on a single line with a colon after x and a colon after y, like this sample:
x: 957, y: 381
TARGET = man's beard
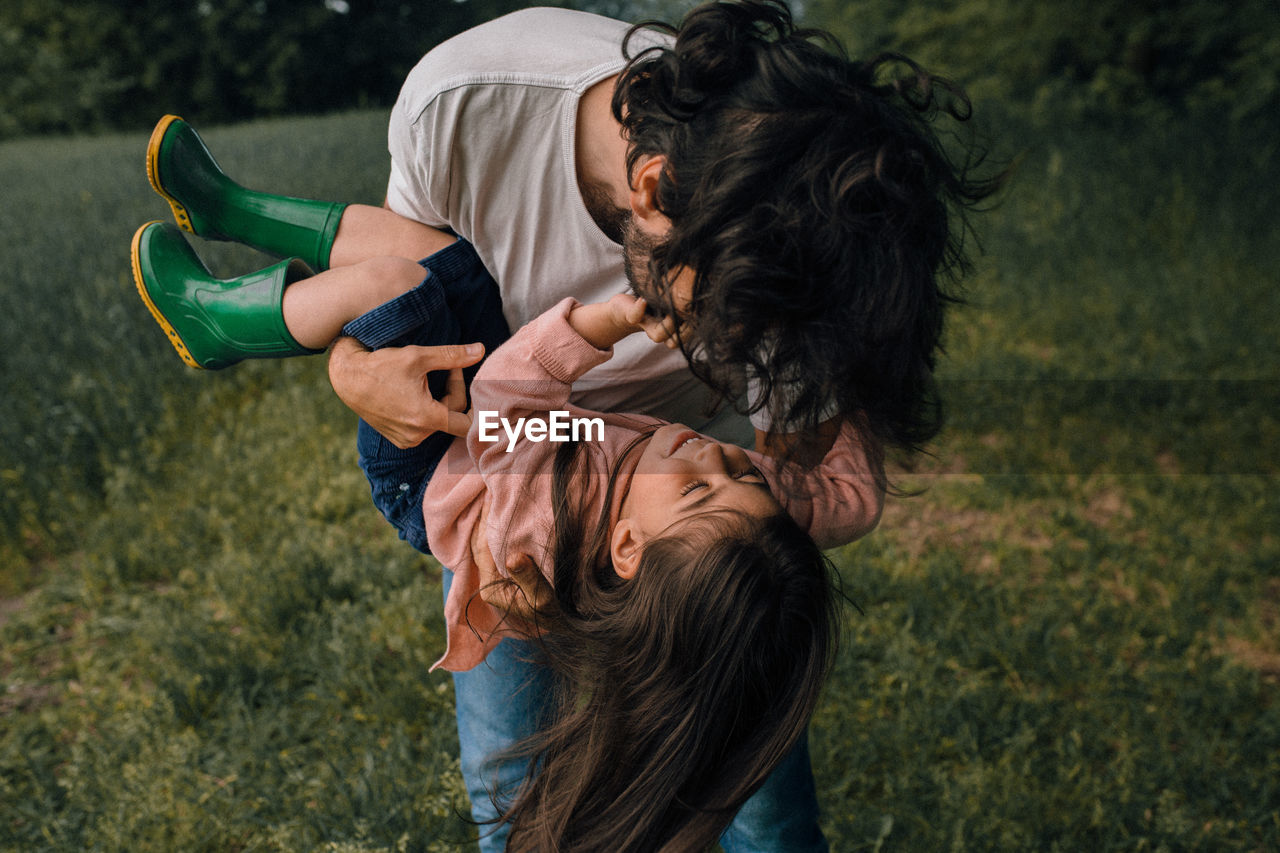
x: 619, y: 225
x: 609, y: 218
x: 637, y: 250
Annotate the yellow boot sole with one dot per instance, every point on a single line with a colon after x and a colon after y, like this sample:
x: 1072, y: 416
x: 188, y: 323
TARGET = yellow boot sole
x: 136, y: 262
x: 180, y: 215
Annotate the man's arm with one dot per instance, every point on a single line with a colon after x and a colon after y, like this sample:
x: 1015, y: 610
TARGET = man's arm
x: 388, y: 388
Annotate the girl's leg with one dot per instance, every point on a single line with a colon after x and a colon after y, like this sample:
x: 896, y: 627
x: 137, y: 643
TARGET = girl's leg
x: 370, y: 232
x: 208, y: 203
x: 279, y: 311
x: 315, y: 309
x: 457, y: 302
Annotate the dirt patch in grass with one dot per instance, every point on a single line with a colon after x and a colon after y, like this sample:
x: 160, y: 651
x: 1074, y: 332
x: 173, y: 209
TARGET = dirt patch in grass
x: 1106, y: 506
x: 24, y: 698
x: 1262, y: 657
x: 927, y: 523
x: 1260, y: 652
x: 10, y: 606
x: 39, y: 683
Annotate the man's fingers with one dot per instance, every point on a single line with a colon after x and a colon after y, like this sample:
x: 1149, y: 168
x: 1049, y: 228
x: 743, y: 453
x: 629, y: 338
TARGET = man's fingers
x: 530, y: 590
x: 448, y: 356
x: 525, y: 573
x: 388, y: 388
x: 520, y: 563
x: 455, y: 391
x: 449, y: 412
x: 480, y: 554
x: 457, y: 423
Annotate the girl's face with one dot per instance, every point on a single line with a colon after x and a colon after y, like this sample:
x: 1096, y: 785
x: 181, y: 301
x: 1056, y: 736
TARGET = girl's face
x: 682, y: 474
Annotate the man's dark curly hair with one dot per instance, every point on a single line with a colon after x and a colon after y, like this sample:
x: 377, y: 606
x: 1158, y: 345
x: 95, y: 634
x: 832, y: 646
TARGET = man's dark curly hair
x: 817, y: 208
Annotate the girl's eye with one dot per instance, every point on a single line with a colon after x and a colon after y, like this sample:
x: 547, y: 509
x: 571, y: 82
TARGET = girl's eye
x: 753, y: 473
x: 689, y: 487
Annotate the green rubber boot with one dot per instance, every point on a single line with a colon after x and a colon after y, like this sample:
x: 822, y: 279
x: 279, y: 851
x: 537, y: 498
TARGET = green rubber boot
x: 212, y: 322
x: 209, y: 204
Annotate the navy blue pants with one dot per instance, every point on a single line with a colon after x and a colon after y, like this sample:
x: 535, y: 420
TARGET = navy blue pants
x: 456, y: 303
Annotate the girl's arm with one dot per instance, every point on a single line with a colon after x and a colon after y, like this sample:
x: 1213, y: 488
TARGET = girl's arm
x: 838, y: 500
x: 520, y: 385
x: 533, y: 372
x: 603, y: 324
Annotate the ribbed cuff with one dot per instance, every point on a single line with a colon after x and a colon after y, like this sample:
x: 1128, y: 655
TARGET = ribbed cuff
x: 421, y: 311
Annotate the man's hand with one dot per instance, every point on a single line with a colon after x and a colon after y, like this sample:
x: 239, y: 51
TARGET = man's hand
x: 531, y: 591
x: 388, y: 388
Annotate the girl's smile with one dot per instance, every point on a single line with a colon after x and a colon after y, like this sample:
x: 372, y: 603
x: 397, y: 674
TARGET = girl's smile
x: 681, y: 474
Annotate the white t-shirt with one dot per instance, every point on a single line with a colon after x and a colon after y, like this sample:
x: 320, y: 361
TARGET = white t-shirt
x: 482, y: 142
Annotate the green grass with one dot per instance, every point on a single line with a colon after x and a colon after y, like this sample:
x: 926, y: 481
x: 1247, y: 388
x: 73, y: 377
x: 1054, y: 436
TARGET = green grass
x: 1071, y: 636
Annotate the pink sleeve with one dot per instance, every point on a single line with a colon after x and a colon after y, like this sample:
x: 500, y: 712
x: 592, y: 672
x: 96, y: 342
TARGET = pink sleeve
x: 838, y: 500
x: 528, y: 377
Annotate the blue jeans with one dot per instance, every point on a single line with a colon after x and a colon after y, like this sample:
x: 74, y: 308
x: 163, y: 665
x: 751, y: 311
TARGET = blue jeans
x: 503, y: 701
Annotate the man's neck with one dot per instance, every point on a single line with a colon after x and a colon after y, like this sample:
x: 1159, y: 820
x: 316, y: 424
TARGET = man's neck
x: 601, y: 153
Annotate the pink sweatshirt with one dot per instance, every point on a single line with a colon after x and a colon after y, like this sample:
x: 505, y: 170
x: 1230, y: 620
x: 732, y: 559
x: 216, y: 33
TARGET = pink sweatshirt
x: 530, y: 376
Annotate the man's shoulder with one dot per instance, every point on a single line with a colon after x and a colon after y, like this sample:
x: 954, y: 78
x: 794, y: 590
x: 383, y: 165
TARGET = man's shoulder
x: 551, y: 22
x: 539, y: 46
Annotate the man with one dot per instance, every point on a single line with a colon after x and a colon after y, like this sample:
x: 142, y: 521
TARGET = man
x: 506, y: 136
x: 794, y: 213
x: 787, y: 212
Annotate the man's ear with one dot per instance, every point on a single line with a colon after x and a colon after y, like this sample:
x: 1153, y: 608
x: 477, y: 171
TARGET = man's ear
x: 644, y: 196
x: 625, y: 547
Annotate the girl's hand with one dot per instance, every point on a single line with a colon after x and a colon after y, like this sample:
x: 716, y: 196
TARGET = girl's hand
x: 632, y: 312
x: 603, y: 324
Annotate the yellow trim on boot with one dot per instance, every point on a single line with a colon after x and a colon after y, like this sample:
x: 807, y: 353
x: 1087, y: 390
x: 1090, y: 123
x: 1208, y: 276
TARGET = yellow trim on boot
x: 180, y: 215
x: 136, y: 263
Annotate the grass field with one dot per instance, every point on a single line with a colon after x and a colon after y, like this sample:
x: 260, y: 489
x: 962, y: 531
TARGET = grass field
x: 1070, y: 638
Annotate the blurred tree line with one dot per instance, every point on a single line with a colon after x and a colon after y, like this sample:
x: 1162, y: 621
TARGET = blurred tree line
x: 93, y: 64
x: 1086, y: 58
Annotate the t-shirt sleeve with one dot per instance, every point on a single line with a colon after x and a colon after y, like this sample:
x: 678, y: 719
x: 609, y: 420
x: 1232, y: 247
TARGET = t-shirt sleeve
x: 761, y: 418
x: 419, y: 163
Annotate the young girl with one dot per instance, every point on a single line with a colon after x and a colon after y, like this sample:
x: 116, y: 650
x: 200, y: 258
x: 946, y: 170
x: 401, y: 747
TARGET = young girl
x: 690, y: 617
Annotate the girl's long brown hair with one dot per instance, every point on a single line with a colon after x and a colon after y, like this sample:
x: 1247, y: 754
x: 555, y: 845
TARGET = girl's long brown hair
x: 679, y: 691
